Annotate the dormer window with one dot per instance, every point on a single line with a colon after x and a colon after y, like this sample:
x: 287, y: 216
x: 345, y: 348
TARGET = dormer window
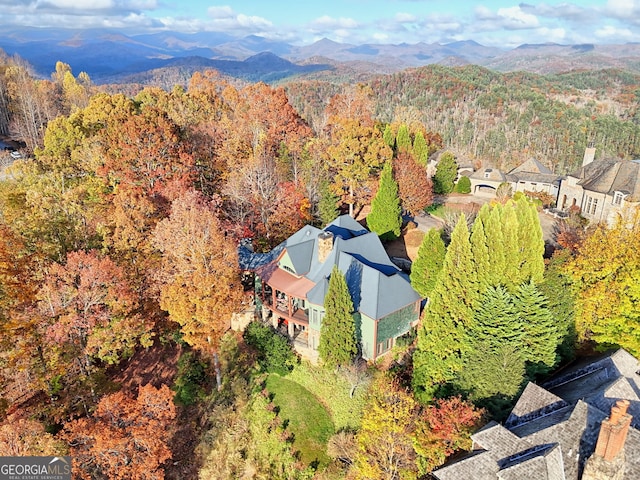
x: 618, y: 197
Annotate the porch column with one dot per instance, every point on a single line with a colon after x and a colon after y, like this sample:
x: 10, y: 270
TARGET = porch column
x: 290, y: 328
x: 289, y: 306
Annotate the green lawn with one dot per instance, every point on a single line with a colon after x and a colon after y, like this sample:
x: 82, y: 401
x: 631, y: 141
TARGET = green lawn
x: 308, y: 420
x: 437, y: 210
x: 333, y: 391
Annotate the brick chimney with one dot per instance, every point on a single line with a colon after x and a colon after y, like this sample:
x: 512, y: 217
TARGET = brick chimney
x: 613, y: 431
x: 589, y: 155
x: 608, y: 461
x: 325, y: 245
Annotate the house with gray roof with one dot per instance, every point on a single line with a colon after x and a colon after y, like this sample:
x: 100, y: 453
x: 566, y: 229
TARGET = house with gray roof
x: 292, y: 282
x: 581, y: 425
x: 602, y: 189
x: 530, y: 176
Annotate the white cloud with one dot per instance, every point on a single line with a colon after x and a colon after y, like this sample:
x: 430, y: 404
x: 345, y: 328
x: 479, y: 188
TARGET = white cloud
x: 405, y: 17
x: 623, y: 8
x: 609, y: 32
x: 221, y: 12
x: 515, y: 18
x: 79, y: 4
x: 327, y: 23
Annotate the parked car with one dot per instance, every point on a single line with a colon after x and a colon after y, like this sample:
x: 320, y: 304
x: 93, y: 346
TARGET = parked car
x: 16, y: 155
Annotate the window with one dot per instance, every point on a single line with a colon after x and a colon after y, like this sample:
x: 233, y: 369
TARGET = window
x: 618, y: 197
x: 592, y: 206
x: 287, y: 268
x: 384, y: 346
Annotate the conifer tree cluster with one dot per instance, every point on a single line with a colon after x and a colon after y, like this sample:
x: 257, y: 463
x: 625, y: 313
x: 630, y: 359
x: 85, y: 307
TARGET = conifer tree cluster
x: 486, y: 304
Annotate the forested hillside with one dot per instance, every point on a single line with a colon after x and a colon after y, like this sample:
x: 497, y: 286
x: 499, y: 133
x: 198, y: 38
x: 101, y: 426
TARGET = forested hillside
x: 495, y: 119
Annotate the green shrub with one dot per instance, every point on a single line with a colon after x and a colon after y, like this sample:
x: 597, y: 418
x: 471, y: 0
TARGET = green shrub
x: 463, y: 185
x: 274, y: 351
x: 191, y: 379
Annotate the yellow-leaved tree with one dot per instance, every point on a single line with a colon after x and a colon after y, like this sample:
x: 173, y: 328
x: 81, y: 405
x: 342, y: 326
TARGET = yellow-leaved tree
x: 200, y: 283
x: 606, y: 274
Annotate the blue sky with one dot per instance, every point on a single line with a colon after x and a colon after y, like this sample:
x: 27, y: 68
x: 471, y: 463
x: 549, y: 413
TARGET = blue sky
x: 491, y: 22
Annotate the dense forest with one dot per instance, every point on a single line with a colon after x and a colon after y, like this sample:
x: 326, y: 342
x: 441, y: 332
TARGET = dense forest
x: 119, y: 271
x: 502, y: 119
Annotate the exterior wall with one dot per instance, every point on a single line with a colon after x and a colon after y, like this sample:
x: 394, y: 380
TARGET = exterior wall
x: 367, y: 337
x: 316, y: 313
x: 570, y: 194
x: 378, y: 337
x: 536, y: 187
x: 594, y: 205
x: 285, y: 263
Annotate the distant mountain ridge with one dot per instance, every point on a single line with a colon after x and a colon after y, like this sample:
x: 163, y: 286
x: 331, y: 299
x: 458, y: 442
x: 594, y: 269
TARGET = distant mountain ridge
x: 111, y: 55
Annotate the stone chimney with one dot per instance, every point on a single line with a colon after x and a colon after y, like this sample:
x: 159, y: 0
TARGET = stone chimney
x: 589, y: 155
x: 325, y: 245
x: 608, y: 461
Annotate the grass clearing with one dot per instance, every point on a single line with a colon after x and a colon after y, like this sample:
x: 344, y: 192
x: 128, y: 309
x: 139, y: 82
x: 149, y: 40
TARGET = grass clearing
x: 436, y: 209
x: 307, y: 419
x: 333, y: 391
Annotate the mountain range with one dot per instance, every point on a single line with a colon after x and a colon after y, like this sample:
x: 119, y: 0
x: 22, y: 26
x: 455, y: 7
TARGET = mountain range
x: 115, y: 57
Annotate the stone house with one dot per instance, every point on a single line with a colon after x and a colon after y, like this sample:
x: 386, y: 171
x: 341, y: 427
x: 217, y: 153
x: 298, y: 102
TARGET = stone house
x: 601, y: 189
x: 291, y: 283
x: 581, y: 425
x: 531, y: 176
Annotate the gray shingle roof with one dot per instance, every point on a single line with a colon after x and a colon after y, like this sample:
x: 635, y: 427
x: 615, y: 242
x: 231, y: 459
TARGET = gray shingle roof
x: 609, y: 176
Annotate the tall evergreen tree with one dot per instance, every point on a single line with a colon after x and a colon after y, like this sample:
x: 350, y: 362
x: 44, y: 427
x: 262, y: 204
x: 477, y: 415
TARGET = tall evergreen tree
x: 388, y: 136
x: 530, y: 242
x: 480, y: 249
x: 442, y: 339
x: 496, y: 320
x: 420, y: 149
x: 540, y: 335
x: 446, y: 174
x: 562, y: 307
x: 338, y: 331
x: 385, y: 218
x: 328, y: 204
x: 403, y: 139
x: 427, y: 267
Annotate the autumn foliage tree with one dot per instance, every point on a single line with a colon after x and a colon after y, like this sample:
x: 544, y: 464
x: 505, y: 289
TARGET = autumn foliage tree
x: 125, y: 438
x: 385, y: 439
x: 91, y: 312
x: 22, y: 437
x: 200, y: 284
x: 445, y: 428
x: 414, y: 185
x: 606, y: 282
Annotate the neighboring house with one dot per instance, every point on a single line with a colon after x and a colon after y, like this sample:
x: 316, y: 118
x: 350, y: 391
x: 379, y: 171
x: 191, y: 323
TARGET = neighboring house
x: 486, y: 181
x: 601, y: 189
x: 581, y: 425
x: 292, y: 280
x: 531, y: 176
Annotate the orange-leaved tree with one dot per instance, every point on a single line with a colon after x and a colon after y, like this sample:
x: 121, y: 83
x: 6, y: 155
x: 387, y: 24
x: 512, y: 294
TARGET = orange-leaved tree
x: 200, y: 283
x: 125, y: 438
x: 91, y: 311
x: 445, y: 428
